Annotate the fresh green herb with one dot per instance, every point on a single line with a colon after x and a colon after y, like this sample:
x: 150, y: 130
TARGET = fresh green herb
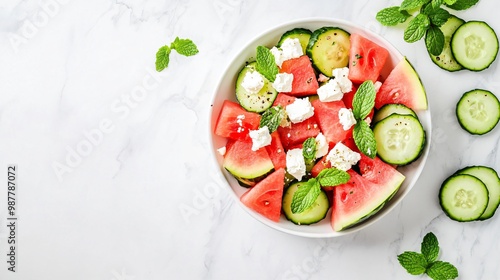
x: 272, y: 118
x: 309, y: 149
x: 426, y: 262
x: 392, y: 16
x: 358, y: 56
x: 266, y: 65
x: 426, y: 18
x: 184, y: 47
x: 362, y: 103
x: 308, y: 192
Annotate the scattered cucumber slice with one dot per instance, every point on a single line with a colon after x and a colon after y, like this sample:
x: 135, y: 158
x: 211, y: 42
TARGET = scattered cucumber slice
x: 490, y: 179
x: 389, y: 109
x: 328, y: 49
x: 474, y: 45
x: 478, y: 111
x: 463, y: 197
x: 297, y: 33
x: 313, y: 214
x: 258, y: 102
x: 445, y: 59
x: 400, y: 139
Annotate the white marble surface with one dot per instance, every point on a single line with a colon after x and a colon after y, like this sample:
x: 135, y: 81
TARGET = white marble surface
x: 70, y: 69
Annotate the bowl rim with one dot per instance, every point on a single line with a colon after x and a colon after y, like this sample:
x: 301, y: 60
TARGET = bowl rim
x: 214, y: 154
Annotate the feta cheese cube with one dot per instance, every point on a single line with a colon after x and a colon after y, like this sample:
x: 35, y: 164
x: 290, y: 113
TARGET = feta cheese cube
x: 290, y: 48
x: 330, y: 91
x: 253, y: 82
x: 283, y: 82
x: 222, y: 150
x: 342, y: 77
x: 343, y: 158
x: 260, y: 138
x: 295, y: 163
x: 346, y: 118
x: 300, y: 110
x: 278, y: 56
x: 321, y: 145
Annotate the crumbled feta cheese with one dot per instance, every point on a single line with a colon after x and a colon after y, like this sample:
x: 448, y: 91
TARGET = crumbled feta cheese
x: 330, y: 91
x: 342, y: 77
x: 283, y: 82
x: 278, y: 56
x: 346, y: 118
x: 343, y: 158
x: 290, y: 48
x: 322, y: 78
x: 252, y: 82
x: 295, y: 164
x: 300, y: 110
x: 239, y: 119
x: 377, y: 85
x: 222, y: 150
x: 368, y: 120
x: 321, y: 145
x: 260, y: 138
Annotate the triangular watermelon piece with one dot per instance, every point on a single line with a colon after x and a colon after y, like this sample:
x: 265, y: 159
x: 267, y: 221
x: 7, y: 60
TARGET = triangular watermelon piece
x: 366, y: 59
x: 276, y: 151
x: 235, y: 122
x: 284, y: 100
x: 364, y: 195
x: 402, y: 86
x: 327, y: 116
x: 297, y: 133
x: 266, y: 196
x: 304, y: 79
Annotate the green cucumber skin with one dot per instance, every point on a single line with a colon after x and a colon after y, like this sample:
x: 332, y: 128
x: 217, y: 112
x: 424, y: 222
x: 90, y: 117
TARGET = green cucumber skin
x: 465, y: 170
x: 294, y: 33
x: 399, y: 109
x: 288, y: 195
x: 461, y: 122
x: 265, y: 102
x: 492, y: 59
x: 454, y: 66
x: 314, y: 38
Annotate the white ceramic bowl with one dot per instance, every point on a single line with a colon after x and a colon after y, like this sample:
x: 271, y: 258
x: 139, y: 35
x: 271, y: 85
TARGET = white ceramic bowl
x: 225, y: 90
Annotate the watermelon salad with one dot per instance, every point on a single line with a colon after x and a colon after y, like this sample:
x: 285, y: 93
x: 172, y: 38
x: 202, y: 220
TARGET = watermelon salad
x: 299, y: 135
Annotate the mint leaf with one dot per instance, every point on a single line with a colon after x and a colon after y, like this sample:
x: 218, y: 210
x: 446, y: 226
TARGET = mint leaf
x: 162, y: 58
x: 330, y: 177
x: 266, y: 65
x: 416, y: 28
x: 437, y: 16
x: 450, y: 2
x: 364, y: 100
x: 415, y: 263
x: 364, y: 139
x: 392, y: 16
x: 434, y: 40
x: 430, y: 247
x: 184, y: 47
x: 440, y: 270
x: 272, y: 118
x: 462, y: 4
x: 309, y: 149
x: 305, y: 196
x: 412, y: 4
x: 437, y: 3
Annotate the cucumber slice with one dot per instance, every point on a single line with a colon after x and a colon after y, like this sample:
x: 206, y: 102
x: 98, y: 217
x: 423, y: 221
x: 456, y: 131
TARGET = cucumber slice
x: 297, y: 33
x: 390, y: 109
x: 328, y: 49
x: 313, y: 214
x: 463, y: 197
x: 474, y: 45
x: 260, y: 101
x: 478, y: 111
x: 445, y: 59
x: 492, y: 182
x: 400, y: 139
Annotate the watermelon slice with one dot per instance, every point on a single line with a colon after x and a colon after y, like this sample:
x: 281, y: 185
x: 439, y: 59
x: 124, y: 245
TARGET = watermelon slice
x: 304, y: 79
x: 276, y: 151
x: 247, y: 166
x: 265, y: 197
x: 283, y: 100
x: 364, y: 195
x: 234, y: 122
x: 327, y: 116
x: 403, y: 86
x: 366, y: 59
x: 297, y: 133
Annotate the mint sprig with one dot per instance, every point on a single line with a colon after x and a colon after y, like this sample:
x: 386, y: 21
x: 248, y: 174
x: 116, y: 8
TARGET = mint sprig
x: 309, y: 149
x: 272, y: 118
x: 266, y: 64
x: 308, y: 192
x: 426, y: 261
x: 184, y: 47
x: 362, y: 104
x: 425, y: 19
